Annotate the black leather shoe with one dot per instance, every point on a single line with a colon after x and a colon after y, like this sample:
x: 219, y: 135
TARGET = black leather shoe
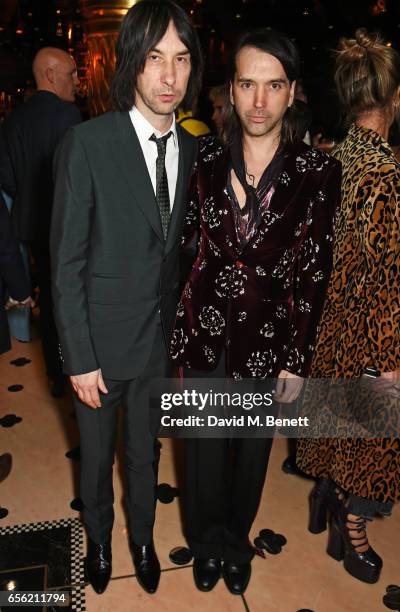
x: 236, y: 576
x: 206, y: 573
x: 98, y: 565
x: 346, y: 537
x: 147, y: 566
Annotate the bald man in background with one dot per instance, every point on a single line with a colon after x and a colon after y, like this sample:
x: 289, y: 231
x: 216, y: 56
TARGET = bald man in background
x: 28, y: 139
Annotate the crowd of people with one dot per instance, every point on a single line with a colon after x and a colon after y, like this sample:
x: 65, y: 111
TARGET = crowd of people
x: 295, y: 274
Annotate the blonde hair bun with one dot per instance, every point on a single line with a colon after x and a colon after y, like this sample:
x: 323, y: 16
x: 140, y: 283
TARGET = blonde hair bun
x: 367, y: 73
x: 366, y: 39
x: 363, y: 41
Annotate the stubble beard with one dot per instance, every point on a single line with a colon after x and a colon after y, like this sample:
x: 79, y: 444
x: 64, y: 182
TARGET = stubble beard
x: 158, y: 108
x: 263, y: 129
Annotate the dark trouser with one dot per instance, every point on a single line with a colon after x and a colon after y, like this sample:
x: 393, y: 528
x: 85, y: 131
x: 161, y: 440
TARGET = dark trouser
x: 98, y: 432
x: 223, y: 494
x: 224, y: 483
x: 48, y: 329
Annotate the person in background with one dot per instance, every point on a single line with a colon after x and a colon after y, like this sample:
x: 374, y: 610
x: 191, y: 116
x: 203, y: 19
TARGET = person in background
x: 190, y: 123
x: 14, y: 280
x: 12, y: 275
x: 304, y: 120
x: 359, y: 331
x: 219, y: 98
x: 303, y: 112
x: 28, y: 138
x: 19, y: 319
x: 319, y: 141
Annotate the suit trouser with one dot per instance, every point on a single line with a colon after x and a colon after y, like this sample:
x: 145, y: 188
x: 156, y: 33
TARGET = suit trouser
x: 48, y: 329
x: 224, y: 480
x: 98, y: 433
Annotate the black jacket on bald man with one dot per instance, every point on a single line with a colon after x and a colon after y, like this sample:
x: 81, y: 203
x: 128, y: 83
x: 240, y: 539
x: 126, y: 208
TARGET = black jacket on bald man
x: 28, y: 139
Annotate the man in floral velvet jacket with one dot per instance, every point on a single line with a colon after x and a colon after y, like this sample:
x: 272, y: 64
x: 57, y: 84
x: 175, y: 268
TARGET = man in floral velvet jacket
x: 265, y: 205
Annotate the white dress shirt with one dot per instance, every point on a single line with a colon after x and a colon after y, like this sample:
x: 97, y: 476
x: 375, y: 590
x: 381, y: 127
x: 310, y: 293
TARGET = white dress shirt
x: 144, y: 131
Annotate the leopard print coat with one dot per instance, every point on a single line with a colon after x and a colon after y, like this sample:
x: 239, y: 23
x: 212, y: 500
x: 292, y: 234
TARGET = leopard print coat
x: 360, y: 325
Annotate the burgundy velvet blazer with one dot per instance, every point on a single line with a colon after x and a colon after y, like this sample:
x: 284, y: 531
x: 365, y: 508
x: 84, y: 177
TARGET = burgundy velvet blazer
x: 263, y: 302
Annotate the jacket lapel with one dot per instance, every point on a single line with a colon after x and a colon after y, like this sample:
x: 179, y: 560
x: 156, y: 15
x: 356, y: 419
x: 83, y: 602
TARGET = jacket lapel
x: 178, y: 209
x: 219, y: 179
x: 286, y: 188
x: 128, y: 153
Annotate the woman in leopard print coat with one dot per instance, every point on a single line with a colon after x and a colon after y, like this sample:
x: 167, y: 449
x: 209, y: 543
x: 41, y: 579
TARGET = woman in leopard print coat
x: 360, y: 324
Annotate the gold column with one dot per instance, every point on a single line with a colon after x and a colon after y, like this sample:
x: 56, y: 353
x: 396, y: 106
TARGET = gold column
x: 102, y: 20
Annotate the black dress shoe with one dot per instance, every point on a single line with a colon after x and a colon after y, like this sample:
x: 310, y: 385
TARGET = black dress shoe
x: 147, y: 566
x: 98, y: 565
x: 236, y: 576
x: 206, y: 573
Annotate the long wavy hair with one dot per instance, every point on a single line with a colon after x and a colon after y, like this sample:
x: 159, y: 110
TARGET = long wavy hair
x: 280, y: 46
x: 143, y: 27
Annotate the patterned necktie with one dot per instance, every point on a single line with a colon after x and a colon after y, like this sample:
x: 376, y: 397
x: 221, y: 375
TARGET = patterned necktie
x: 162, y: 192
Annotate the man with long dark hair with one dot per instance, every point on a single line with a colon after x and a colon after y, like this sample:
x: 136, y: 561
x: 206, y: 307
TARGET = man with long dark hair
x: 265, y: 205
x: 121, y: 184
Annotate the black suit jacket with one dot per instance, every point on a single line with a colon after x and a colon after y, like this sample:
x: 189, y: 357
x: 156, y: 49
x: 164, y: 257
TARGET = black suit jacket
x: 12, y: 272
x: 112, y: 269
x: 28, y: 139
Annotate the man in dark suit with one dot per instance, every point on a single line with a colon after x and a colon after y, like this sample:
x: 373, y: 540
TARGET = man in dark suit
x: 28, y: 139
x: 120, y: 190
x: 12, y: 274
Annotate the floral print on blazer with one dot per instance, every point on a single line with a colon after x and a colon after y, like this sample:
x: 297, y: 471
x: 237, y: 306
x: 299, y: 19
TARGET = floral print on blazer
x: 263, y: 302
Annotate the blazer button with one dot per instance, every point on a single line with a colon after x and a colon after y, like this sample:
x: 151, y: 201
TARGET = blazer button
x: 239, y: 264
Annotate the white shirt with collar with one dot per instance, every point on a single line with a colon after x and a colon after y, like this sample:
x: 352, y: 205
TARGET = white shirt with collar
x: 144, y: 131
